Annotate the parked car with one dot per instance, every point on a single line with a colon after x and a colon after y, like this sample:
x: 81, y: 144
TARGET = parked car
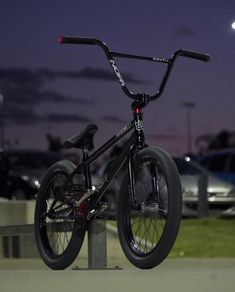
x: 220, y: 194
x: 221, y: 163
x: 21, y: 172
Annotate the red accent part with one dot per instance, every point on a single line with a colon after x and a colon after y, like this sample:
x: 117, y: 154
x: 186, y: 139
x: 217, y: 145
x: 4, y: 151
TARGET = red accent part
x: 82, y: 210
x: 137, y: 110
x: 60, y: 40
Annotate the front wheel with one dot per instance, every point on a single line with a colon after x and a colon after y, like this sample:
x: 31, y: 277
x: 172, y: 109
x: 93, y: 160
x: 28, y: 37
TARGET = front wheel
x: 149, y: 215
x: 60, y: 226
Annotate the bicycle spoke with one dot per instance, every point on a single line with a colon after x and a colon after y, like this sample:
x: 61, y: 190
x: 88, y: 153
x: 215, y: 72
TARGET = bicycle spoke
x: 151, y: 194
x: 58, y: 230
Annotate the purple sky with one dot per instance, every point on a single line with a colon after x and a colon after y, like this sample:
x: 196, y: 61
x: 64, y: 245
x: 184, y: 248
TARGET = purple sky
x: 49, y: 88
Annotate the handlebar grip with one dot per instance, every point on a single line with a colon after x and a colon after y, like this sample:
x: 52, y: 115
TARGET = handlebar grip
x: 195, y: 55
x: 77, y: 40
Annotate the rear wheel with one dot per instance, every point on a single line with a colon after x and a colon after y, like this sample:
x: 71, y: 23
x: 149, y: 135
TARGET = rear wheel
x: 148, y: 221
x: 59, y: 226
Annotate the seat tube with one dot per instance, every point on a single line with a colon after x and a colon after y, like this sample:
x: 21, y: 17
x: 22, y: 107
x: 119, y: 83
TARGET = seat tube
x: 87, y: 170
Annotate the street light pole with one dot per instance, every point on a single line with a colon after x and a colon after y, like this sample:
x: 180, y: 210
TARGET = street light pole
x: 189, y: 106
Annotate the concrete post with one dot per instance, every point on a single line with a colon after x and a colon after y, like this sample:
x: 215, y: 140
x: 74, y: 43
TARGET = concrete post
x: 202, y: 196
x: 97, y: 244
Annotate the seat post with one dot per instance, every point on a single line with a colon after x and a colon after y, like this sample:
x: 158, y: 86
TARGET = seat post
x: 87, y: 169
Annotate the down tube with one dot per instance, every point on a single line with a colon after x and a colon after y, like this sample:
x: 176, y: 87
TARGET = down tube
x: 118, y: 163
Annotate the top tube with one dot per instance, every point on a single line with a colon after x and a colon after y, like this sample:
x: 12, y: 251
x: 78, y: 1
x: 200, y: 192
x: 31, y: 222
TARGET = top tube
x: 141, y: 97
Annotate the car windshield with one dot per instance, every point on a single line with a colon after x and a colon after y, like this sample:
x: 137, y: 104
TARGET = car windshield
x: 32, y: 160
x: 186, y: 167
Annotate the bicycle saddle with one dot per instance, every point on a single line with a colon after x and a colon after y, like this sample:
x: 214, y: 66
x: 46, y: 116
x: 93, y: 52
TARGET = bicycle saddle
x: 84, y: 140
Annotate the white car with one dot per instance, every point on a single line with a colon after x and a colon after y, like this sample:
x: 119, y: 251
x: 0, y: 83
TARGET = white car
x: 220, y: 194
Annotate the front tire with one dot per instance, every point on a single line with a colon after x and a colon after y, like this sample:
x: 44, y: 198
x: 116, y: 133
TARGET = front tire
x: 148, y: 226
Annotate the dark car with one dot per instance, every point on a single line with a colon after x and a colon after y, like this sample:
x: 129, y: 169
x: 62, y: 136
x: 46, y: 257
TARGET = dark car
x: 221, y: 163
x: 21, y: 172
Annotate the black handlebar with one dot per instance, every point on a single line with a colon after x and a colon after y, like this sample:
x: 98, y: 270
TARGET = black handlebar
x: 195, y: 55
x: 78, y: 40
x: 110, y: 55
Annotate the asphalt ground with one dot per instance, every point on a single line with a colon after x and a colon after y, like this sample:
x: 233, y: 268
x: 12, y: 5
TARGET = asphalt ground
x: 176, y: 275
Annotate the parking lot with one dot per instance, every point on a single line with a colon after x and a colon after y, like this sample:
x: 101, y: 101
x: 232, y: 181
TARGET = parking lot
x: 172, y: 275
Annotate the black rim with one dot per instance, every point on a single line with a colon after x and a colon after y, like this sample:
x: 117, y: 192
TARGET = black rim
x: 57, y: 220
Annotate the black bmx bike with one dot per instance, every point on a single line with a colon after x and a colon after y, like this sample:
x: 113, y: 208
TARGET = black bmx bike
x: 150, y: 201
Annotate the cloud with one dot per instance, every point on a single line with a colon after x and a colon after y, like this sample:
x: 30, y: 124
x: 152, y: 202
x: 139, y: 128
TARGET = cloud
x: 21, y: 115
x: 25, y: 89
x: 27, y: 116
x: 184, y: 31
x: 162, y: 137
x: 23, y: 85
x: 97, y: 73
x: 37, y: 77
x: 113, y: 119
x: 65, y: 118
x: 55, y: 97
x: 20, y: 76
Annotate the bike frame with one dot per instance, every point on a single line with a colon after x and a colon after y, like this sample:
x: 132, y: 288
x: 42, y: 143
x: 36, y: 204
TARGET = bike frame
x: 134, y: 142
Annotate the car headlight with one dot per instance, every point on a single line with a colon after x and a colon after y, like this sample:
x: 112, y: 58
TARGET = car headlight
x: 33, y: 182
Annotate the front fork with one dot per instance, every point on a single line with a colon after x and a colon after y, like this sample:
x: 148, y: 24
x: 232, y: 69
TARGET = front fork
x: 140, y: 144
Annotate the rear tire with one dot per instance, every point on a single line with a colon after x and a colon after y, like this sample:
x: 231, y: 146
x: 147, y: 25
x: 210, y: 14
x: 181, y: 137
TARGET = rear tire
x: 148, y: 229
x: 59, y: 240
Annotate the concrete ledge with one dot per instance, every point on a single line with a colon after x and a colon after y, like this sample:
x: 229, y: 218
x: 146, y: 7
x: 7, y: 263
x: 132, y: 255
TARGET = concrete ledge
x: 21, y: 243
x: 13, y: 243
x: 16, y: 212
